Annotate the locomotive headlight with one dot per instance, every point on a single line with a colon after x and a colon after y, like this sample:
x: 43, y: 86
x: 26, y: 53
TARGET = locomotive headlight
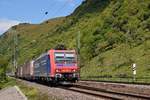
x: 57, y: 70
x: 74, y: 70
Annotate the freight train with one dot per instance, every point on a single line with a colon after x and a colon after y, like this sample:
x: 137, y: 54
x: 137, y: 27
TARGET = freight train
x: 54, y: 66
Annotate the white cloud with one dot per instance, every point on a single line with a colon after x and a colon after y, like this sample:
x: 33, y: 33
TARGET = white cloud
x: 5, y: 24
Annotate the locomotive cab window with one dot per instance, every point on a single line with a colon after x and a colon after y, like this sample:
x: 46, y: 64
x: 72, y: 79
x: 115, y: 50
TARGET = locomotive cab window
x: 65, y: 58
x: 59, y: 58
x: 70, y: 58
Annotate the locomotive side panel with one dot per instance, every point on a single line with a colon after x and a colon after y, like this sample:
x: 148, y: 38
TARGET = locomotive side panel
x: 42, y: 66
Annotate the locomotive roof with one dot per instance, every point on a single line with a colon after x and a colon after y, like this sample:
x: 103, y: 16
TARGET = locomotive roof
x: 42, y: 55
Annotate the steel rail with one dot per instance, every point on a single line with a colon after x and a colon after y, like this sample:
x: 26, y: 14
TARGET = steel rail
x: 131, y: 95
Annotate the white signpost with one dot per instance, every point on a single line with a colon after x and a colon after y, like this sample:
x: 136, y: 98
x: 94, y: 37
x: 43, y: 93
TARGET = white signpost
x: 134, y: 71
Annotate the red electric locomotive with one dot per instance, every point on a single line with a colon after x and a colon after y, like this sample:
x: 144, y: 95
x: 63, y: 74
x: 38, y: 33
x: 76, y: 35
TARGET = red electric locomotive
x: 57, y: 66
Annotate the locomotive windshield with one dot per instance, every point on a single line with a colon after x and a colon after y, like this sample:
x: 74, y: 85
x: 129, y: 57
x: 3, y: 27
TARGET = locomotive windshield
x: 65, y: 58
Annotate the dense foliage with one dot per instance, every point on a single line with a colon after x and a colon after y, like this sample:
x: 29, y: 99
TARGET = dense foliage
x: 114, y: 35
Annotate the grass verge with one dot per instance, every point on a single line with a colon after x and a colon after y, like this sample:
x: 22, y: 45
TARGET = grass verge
x: 30, y: 92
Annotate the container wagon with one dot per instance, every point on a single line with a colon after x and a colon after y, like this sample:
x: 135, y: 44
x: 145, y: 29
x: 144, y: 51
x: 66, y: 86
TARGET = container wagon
x: 19, y: 72
x: 27, y: 70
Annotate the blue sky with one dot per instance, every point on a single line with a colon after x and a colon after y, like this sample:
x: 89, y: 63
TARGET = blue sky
x: 13, y: 12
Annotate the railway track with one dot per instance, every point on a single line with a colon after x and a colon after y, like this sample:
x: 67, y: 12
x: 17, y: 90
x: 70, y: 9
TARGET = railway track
x: 105, y: 93
x: 92, y: 93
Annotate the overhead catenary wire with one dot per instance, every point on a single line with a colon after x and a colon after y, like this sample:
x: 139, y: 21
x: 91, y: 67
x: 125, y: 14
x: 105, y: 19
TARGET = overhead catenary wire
x: 53, y: 15
x: 61, y: 8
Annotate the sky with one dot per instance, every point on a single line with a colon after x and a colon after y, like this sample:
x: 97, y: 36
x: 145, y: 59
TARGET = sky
x: 13, y: 12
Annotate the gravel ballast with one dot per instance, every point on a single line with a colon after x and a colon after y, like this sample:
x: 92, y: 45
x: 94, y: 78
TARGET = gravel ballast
x: 59, y: 93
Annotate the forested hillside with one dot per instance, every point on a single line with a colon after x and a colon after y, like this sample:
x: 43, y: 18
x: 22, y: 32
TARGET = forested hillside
x: 114, y: 34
